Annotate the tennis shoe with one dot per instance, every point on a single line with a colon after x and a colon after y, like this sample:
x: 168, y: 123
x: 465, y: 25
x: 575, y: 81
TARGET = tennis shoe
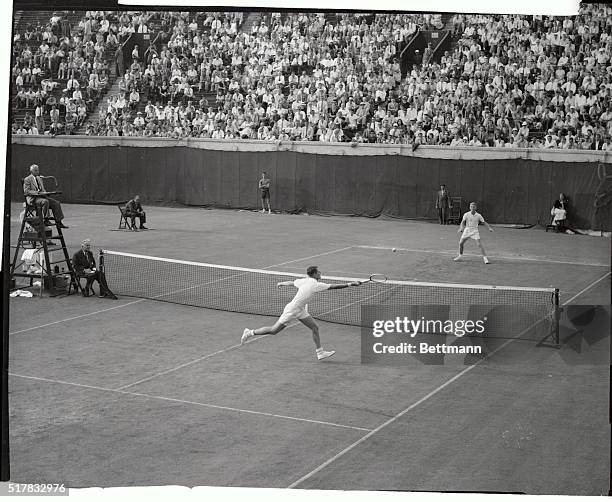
x: 324, y: 354
x: 486, y: 260
x: 457, y: 258
x: 246, y: 334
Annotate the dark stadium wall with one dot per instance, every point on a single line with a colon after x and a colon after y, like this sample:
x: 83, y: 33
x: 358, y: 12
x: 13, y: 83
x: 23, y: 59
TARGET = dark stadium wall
x: 508, y: 191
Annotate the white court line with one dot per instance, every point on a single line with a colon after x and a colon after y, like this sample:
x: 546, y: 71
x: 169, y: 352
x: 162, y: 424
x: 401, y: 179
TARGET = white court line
x: 497, y: 257
x: 144, y: 299
x: 195, y: 403
x: 229, y: 408
x: 76, y: 317
x: 423, y: 399
x: 313, y: 256
x: 587, y: 288
x: 180, y: 366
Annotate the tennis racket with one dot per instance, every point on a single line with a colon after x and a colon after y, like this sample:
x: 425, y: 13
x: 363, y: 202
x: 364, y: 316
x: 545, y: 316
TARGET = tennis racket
x: 379, y: 278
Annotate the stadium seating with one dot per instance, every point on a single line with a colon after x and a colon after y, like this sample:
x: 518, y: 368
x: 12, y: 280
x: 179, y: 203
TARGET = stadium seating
x: 500, y: 81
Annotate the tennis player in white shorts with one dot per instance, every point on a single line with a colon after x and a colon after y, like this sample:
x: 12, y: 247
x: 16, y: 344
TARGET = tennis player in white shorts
x: 297, y: 309
x: 469, y: 230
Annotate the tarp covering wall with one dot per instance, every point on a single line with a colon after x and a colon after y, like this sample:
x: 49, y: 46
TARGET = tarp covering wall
x: 512, y: 191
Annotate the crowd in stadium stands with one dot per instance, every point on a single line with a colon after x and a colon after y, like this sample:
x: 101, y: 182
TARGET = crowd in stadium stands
x: 529, y: 81
x: 509, y: 81
x: 60, y: 70
x: 277, y: 81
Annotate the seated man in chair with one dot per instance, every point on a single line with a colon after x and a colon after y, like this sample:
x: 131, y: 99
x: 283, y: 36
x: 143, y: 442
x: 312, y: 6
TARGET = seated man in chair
x: 33, y: 187
x: 133, y: 210
x: 559, y: 219
x: 84, y: 265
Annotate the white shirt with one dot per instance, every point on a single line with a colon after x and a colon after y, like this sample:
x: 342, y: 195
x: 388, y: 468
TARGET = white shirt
x: 307, y: 287
x: 558, y: 214
x: 472, y: 220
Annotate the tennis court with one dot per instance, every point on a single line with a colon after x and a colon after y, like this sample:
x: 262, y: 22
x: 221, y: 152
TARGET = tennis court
x: 140, y: 392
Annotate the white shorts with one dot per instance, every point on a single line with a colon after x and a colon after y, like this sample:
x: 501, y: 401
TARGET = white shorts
x: 291, y: 314
x: 471, y: 233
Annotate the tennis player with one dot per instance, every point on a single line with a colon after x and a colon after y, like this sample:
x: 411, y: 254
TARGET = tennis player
x: 469, y: 227
x: 264, y: 186
x: 298, y: 309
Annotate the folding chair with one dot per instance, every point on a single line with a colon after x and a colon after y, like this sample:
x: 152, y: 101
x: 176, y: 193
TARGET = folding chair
x: 455, y: 214
x: 124, y: 220
x: 552, y: 227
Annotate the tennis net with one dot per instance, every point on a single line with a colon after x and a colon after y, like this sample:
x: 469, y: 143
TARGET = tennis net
x: 254, y: 291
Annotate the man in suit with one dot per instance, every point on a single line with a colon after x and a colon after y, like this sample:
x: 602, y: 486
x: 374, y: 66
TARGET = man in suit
x: 598, y: 143
x: 133, y: 210
x: 443, y: 204
x: 33, y: 187
x: 84, y: 265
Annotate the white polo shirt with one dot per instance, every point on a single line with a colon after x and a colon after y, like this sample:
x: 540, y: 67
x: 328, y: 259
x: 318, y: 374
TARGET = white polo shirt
x: 307, y: 287
x: 471, y: 225
x: 472, y: 220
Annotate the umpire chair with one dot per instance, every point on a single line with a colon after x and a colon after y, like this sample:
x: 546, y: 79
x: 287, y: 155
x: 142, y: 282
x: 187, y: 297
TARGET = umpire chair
x: 34, y: 234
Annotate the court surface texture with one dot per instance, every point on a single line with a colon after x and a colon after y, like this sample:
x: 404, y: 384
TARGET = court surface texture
x: 139, y: 392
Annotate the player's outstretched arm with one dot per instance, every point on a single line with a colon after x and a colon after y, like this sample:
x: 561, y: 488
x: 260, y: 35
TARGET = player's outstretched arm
x: 488, y: 226
x: 286, y: 283
x: 461, y: 225
x: 347, y: 285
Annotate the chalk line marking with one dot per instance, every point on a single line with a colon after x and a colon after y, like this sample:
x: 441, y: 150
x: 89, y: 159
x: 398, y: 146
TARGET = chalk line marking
x: 184, y: 401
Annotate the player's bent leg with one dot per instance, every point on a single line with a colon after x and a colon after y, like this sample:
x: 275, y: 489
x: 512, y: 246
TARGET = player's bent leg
x: 309, y: 322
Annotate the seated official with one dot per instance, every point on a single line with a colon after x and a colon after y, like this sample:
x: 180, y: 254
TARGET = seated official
x: 84, y: 265
x: 133, y: 210
x: 34, y: 189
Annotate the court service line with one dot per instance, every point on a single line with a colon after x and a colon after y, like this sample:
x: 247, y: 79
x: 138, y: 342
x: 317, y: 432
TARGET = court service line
x: 424, y: 398
x: 500, y: 257
x: 76, y: 317
x: 181, y: 366
x: 195, y: 403
x: 252, y: 412
x: 313, y: 256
